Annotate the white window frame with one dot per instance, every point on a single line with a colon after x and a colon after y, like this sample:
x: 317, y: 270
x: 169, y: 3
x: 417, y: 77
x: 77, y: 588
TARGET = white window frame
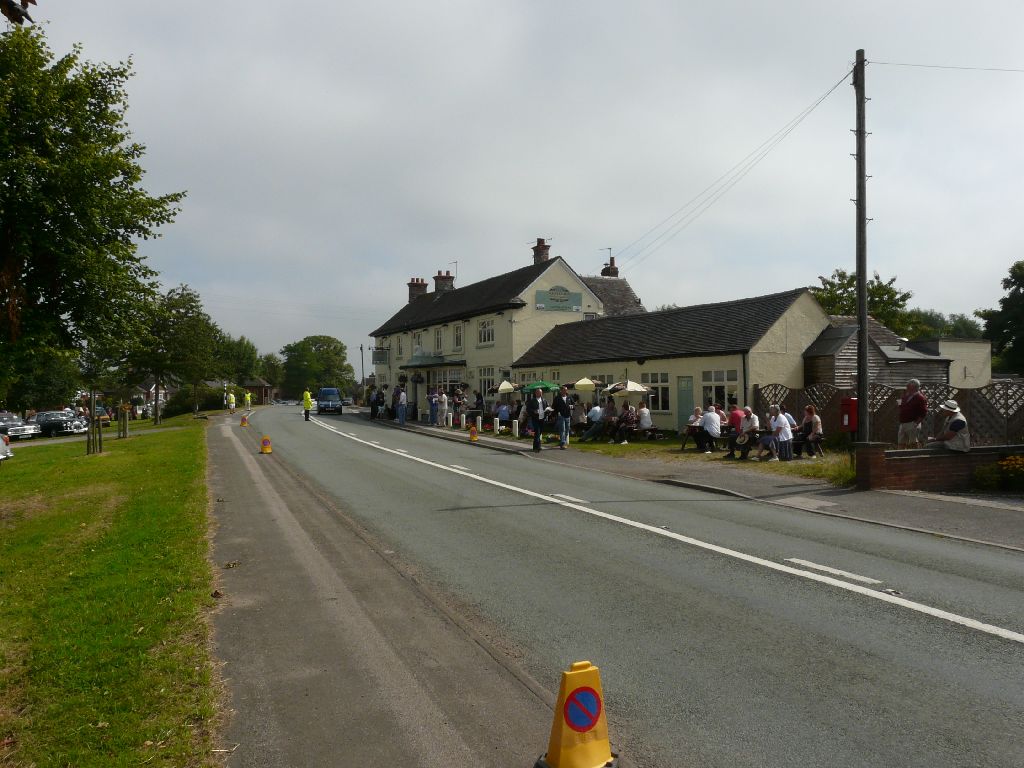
x: 485, y: 333
x: 659, y: 398
x: 457, y: 337
x: 720, y: 385
x: 485, y: 379
x: 439, y: 340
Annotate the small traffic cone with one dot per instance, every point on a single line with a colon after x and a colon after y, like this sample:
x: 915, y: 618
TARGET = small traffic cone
x: 265, y: 445
x: 579, y: 733
x: 245, y: 421
x: 473, y: 434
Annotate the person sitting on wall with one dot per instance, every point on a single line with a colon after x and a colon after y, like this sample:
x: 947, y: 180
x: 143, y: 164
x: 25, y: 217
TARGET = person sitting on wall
x: 595, y: 418
x: 954, y: 435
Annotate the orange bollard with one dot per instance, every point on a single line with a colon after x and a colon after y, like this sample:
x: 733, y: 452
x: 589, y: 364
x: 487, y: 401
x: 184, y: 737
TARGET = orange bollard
x: 265, y: 445
x: 579, y: 733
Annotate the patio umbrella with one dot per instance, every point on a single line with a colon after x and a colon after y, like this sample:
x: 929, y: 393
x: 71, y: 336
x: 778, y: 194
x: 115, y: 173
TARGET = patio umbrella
x: 625, y: 388
x: 547, y: 386
x: 505, y: 387
x: 584, y: 385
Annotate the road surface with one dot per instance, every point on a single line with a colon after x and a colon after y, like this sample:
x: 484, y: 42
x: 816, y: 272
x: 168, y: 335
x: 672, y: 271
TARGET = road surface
x: 729, y: 633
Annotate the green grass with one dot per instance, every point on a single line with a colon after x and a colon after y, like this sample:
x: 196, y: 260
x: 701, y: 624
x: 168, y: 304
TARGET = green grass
x: 835, y: 468
x: 104, y: 588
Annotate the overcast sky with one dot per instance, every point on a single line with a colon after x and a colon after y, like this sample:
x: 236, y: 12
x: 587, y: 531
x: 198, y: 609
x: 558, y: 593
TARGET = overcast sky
x: 333, y: 150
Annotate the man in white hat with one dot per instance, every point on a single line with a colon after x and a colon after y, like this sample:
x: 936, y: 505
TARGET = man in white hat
x: 954, y: 435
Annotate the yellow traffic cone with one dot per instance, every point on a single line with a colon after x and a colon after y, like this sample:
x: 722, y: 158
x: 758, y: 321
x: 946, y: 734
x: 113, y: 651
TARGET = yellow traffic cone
x: 245, y: 421
x: 579, y: 733
x: 472, y: 434
x: 265, y: 445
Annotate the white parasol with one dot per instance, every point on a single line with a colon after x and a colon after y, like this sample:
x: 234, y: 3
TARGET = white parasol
x: 584, y: 385
x: 506, y: 387
x: 625, y: 388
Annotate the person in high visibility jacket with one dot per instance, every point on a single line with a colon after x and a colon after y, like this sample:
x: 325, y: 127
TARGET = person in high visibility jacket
x: 231, y: 401
x: 307, y: 403
x: 248, y: 401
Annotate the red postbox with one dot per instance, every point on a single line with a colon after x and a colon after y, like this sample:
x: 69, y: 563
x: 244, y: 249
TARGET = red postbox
x: 848, y: 414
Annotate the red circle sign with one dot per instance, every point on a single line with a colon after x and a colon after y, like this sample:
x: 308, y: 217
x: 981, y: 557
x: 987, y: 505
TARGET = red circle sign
x: 582, y: 709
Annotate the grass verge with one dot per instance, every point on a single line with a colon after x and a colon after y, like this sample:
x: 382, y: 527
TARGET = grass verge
x: 104, y: 585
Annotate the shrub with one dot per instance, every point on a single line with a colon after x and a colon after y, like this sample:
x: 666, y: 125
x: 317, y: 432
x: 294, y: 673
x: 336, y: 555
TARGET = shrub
x: 183, y: 402
x: 987, y: 478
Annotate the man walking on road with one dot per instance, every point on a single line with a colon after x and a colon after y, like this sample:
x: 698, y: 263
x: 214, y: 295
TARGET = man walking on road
x: 307, y: 403
x: 248, y: 401
x: 535, y: 409
x: 231, y: 402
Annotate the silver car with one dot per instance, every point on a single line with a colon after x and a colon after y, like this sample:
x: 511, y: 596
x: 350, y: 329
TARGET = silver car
x: 15, y: 428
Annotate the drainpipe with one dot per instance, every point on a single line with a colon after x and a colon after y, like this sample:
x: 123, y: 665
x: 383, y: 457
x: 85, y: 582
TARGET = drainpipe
x: 746, y: 381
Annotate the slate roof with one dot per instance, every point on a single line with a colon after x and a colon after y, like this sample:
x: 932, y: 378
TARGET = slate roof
x: 490, y: 295
x: 844, y: 328
x: 616, y: 294
x: 728, y: 327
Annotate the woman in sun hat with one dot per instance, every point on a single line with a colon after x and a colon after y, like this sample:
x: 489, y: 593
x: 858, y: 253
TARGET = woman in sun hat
x: 954, y: 435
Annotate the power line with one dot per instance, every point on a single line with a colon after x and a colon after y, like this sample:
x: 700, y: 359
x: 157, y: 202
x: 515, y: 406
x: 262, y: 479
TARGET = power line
x: 946, y: 66
x: 712, y: 193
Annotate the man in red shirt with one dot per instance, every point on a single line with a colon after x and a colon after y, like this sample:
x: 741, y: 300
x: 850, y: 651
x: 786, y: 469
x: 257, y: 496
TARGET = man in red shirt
x: 913, y: 409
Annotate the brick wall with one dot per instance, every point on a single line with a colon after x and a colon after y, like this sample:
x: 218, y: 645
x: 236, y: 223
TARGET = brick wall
x: 934, y: 469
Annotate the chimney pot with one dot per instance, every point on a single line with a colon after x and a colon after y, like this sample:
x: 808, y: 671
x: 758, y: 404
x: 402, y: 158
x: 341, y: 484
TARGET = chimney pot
x: 443, y: 282
x: 540, y: 251
x: 417, y: 287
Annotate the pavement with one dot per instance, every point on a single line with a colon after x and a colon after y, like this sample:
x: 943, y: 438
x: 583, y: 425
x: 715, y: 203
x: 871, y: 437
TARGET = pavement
x: 996, y: 521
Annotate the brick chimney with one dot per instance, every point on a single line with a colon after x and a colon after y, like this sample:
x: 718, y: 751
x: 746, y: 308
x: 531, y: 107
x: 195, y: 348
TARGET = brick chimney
x: 445, y: 282
x: 540, y: 251
x: 417, y: 287
x: 610, y: 270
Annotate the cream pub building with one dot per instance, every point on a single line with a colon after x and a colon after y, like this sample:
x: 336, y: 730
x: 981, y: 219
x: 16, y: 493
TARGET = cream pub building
x: 468, y: 337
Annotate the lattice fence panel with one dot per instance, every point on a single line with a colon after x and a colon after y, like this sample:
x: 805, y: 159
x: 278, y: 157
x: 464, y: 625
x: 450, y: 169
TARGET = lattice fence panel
x: 825, y: 399
x: 1006, y: 397
x: 984, y: 420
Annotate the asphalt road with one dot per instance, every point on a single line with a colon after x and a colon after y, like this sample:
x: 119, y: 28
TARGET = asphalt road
x: 722, y: 637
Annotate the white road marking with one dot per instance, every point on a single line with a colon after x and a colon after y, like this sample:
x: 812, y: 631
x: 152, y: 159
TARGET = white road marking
x: 833, y: 571
x: 570, y: 498
x: 1006, y: 634
x: 459, y: 466
x: 401, y: 450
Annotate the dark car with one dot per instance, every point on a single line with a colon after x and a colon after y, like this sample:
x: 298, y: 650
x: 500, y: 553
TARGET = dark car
x: 54, y: 423
x: 15, y: 428
x: 328, y: 400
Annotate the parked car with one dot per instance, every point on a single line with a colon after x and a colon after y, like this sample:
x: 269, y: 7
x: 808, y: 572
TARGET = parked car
x: 15, y: 428
x: 346, y: 401
x: 328, y: 400
x: 102, y: 416
x: 54, y: 423
x: 5, y: 447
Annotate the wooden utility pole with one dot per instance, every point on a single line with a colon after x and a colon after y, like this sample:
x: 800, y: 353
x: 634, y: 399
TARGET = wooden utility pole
x: 863, y: 388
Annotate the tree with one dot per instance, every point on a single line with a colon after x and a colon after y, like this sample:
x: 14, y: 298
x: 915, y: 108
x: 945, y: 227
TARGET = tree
x: 182, y: 342
x: 47, y: 379
x: 271, y: 369
x: 316, y: 361
x: 886, y: 303
x: 241, y: 358
x: 72, y: 208
x: 930, y: 323
x: 1004, y: 327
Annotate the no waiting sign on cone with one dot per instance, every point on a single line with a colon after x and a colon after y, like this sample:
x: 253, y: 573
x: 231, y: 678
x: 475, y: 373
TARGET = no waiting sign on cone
x: 579, y: 733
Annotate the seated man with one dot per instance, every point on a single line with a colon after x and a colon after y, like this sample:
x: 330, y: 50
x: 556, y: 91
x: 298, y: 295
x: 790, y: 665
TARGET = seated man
x: 626, y: 424
x: 749, y: 425
x: 596, y: 416
x: 692, y: 427
x: 781, y: 432
x: 954, y: 435
x: 710, y: 428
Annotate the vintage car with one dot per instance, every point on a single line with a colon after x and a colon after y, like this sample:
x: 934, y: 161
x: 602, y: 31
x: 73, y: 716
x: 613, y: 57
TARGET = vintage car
x: 16, y: 429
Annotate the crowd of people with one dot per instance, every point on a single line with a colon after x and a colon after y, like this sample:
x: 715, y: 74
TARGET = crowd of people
x: 615, y: 420
x: 741, y: 430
